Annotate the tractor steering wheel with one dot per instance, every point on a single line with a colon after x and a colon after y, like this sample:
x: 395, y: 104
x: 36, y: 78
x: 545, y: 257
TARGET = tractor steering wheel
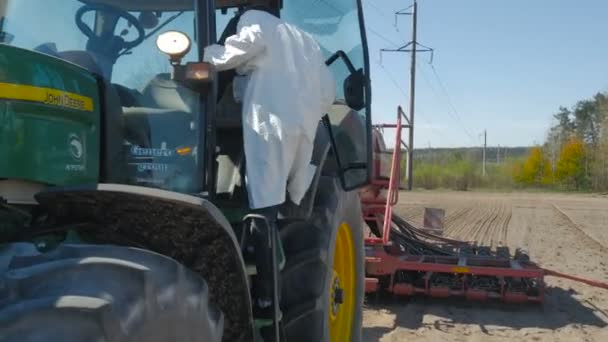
x: 113, y: 10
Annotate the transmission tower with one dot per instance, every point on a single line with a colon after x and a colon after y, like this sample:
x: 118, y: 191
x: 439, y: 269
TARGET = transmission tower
x: 413, y: 47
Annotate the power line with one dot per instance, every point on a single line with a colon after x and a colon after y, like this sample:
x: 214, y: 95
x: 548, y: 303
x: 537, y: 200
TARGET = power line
x: 406, y: 98
x: 378, y: 9
x: 449, y: 99
x: 381, y: 36
x: 447, y: 95
x: 450, y: 108
x: 392, y: 78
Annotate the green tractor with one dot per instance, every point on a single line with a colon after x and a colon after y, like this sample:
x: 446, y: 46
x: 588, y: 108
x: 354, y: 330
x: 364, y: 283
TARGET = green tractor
x: 122, y: 188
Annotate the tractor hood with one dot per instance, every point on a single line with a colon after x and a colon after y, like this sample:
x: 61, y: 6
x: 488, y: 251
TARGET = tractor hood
x: 49, y: 119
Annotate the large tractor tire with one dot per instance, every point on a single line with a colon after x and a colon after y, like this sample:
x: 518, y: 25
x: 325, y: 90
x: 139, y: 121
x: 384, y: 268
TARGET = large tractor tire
x: 102, y: 293
x: 323, y: 279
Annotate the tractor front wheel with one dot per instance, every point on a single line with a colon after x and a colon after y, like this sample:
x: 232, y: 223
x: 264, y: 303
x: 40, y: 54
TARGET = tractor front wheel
x: 102, y: 293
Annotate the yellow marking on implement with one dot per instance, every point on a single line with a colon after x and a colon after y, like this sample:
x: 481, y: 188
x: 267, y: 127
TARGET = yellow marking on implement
x: 52, y: 97
x: 461, y: 270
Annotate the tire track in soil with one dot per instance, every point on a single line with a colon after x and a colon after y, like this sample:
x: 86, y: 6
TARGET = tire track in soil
x: 463, y: 223
x: 479, y: 224
x: 496, y: 233
x: 489, y: 229
x: 453, y: 219
x: 499, y: 230
x: 482, y: 225
x: 471, y: 233
x: 504, y: 229
x: 590, y: 241
x: 491, y: 226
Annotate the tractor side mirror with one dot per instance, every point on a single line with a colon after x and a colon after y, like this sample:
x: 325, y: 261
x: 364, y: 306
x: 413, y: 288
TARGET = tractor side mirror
x: 354, y: 84
x: 354, y: 90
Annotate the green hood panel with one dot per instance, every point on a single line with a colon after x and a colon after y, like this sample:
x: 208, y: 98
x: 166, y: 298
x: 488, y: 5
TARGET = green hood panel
x: 49, y: 119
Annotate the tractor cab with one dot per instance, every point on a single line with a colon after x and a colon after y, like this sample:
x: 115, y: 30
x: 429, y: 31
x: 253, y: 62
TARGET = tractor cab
x: 160, y: 128
x: 115, y: 134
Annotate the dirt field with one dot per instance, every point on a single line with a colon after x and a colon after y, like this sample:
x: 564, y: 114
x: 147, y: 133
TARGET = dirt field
x: 566, y: 233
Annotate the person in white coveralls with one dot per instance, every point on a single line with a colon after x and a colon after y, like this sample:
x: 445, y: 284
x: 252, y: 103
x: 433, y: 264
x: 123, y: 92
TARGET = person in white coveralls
x: 286, y: 89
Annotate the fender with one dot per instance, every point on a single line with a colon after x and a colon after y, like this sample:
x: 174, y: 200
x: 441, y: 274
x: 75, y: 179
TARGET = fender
x: 189, y: 229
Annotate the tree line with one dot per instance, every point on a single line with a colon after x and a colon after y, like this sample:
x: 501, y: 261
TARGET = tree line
x: 574, y: 157
x: 575, y: 153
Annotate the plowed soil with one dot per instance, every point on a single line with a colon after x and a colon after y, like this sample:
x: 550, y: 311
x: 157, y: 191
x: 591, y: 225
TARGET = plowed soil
x: 565, y: 233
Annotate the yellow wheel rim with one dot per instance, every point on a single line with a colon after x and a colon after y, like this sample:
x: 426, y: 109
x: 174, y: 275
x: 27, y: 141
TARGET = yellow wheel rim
x: 342, y: 287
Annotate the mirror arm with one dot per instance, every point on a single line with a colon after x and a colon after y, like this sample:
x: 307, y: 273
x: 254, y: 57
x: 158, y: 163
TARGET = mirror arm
x: 341, y: 54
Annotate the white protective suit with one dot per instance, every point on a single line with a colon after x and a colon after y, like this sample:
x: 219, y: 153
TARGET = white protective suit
x: 288, y: 90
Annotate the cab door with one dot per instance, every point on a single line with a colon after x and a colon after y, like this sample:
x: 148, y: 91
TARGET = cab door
x: 338, y: 26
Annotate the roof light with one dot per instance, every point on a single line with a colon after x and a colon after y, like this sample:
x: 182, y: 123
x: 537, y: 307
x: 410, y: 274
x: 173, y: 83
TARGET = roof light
x: 175, y: 44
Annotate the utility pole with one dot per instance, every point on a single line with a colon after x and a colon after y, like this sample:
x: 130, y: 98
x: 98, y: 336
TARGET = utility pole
x: 432, y: 161
x: 498, y: 155
x: 412, y: 47
x: 410, y: 166
x: 485, y: 144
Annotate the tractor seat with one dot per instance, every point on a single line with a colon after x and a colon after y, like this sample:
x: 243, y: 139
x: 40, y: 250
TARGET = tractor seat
x: 164, y: 93
x: 165, y: 110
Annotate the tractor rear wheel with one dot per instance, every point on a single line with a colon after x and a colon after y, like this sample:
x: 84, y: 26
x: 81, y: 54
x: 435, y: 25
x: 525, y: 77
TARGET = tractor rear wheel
x: 323, y: 282
x: 102, y: 293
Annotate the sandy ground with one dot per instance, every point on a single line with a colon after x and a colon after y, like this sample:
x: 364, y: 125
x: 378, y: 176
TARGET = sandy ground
x: 566, y: 233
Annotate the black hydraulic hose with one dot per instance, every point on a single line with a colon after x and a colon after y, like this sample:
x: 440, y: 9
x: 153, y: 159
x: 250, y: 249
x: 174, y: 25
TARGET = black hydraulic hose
x: 404, y: 242
x: 417, y: 246
x: 413, y: 242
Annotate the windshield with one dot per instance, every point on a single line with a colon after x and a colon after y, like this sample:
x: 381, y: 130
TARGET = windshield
x: 118, y: 42
x: 50, y: 26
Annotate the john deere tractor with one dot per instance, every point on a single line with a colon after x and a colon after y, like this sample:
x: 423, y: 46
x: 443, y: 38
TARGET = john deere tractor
x: 122, y: 188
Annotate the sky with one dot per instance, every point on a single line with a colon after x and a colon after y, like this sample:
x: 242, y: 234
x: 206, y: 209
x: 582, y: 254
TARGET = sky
x: 500, y: 66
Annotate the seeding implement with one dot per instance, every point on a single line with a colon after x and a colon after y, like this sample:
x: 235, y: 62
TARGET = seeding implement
x: 406, y: 260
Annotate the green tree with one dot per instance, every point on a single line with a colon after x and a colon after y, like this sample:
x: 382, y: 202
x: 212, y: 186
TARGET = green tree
x: 571, y: 166
x: 565, y: 124
x: 599, y: 169
x: 588, y: 117
x: 586, y: 121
